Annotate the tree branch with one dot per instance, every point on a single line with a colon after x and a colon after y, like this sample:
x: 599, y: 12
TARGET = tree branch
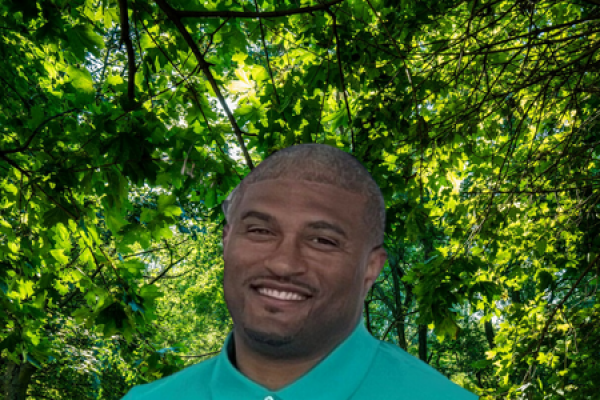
x: 558, y: 306
x: 251, y: 14
x: 341, y: 70
x: 106, y: 56
x: 125, y: 38
x: 28, y: 174
x: 262, y: 35
x: 36, y: 131
x: 25, y: 102
x: 164, y: 272
x: 212, y: 35
x: 408, y: 74
x: 540, y: 191
x: 173, y: 15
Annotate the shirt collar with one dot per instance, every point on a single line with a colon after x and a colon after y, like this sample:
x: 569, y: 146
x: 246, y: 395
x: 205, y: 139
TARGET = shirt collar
x: 335, y: 377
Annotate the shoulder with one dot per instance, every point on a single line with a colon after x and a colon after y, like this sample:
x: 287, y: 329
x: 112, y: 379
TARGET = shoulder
x: 405, y: 375
x: 189, y: 383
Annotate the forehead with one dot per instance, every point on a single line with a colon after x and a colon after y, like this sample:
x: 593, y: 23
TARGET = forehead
x: 287, y: 198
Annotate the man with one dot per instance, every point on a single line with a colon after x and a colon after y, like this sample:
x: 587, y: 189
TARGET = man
x: 302, y: 247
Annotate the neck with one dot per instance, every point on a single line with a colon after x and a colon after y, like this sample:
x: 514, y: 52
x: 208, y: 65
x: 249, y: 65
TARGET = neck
x: 272, y: 373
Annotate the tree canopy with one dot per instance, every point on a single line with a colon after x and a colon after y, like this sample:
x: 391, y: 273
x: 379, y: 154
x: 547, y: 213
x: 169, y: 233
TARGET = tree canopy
x: 126, y: 123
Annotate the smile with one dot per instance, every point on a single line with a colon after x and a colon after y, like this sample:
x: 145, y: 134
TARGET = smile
x: 281, y: 295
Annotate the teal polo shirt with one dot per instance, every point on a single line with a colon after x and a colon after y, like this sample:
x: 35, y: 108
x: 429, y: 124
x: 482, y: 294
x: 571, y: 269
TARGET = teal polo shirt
x: 361, y: 367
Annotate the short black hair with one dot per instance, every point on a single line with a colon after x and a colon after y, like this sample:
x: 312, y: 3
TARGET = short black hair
x: 323, y: 164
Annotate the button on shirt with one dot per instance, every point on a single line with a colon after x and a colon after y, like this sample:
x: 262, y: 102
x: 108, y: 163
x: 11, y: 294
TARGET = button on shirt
x: 361, y: 367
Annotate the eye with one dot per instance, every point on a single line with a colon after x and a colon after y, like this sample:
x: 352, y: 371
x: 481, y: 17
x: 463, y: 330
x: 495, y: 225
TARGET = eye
x: 258, y: 230
x: 324, y: 242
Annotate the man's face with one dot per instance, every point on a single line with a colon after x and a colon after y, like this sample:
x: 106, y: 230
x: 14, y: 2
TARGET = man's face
x: 298, y: 264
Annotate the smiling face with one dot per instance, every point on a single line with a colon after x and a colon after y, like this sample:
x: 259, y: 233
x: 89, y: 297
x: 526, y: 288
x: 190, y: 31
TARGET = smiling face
x: 298, y: 264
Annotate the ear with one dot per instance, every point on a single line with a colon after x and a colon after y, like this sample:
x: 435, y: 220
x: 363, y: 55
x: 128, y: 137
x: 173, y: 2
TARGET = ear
x: 226, y: 231
x: 375, y: 264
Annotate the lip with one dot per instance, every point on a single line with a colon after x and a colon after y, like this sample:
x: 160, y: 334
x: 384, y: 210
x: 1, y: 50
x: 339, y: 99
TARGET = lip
x: 276, y: 305
x: 305, y: 292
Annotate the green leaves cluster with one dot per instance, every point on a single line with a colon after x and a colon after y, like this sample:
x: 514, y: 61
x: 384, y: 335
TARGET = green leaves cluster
x: 125, y: 124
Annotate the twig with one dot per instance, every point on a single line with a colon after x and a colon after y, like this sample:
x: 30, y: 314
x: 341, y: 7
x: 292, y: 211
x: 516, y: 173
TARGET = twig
x: 408, y: 74
x: 173, y: 15
x: 36, y: 131
x: 25, y: 172
x: 25, y: 102
x: 125, y: 38
x: 323, y: 99
x: 152, y: 250
x: 163, y: 273
x: 262, y: 35
x: 341, y: 70
x: 250, y: 14
x: 105, y: 63
x: 558, y: 306
x: 212, y: 35
x: 532, y: 191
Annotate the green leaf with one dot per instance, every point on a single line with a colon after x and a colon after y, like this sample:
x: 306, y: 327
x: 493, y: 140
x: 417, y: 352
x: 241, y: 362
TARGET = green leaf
x: 239, y: 57
x: 172, y: 211
x: 209, y: 200
x: 59, y: 255
x: 11, y: 189
x: 25, y: 289
x: 540, y: 246
x: 10, y: 342
x: 150, y: 292
x: 165, y: 201
x: 115, y: 221
x: 148, y: 215
x: 81, y: 79
x: 114, y: 80
x: 37, y: 116
x: 82, y: 38
x: 259, y: 73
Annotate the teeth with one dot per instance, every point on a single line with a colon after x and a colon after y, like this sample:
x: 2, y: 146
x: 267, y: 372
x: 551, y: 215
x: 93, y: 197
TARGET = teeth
x: 281, y: 295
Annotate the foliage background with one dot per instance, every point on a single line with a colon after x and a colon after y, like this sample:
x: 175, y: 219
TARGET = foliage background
x: 125, y: 123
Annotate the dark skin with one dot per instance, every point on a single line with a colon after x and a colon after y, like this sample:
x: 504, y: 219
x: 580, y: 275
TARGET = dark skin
x: 272, y: 373
x: 299, y: 261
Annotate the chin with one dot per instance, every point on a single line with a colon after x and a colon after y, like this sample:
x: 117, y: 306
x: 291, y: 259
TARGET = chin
x: 270, y: 339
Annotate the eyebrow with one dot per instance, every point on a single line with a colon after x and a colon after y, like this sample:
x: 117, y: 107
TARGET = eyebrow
x: 328, y: 226
x: 319, y: 225
x: 258, y: 215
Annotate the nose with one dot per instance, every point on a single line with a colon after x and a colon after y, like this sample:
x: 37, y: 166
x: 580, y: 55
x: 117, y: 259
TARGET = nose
x: 285, y: 260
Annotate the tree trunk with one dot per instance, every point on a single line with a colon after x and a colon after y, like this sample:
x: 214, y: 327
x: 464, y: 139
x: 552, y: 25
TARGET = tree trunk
x: 423, y: 342
x: 399, y: 315
x: 489, y: 334
x: 428, y: 247
x: 16, y: 380
x: 401, y: 332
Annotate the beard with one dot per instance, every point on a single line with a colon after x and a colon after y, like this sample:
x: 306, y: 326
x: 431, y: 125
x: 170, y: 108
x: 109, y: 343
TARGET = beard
x: 268, y: 339
x: 277, y: 346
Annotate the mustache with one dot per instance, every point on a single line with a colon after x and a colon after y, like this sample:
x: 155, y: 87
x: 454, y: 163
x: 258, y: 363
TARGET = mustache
x: 257, y: 280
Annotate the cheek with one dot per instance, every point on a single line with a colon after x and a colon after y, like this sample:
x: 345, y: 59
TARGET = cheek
x: 233, y: 255
x: 232, y: 273
x: 240, y: 263
x: 344, y: 284
x: 228, y: 284
x: 242, y: 251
